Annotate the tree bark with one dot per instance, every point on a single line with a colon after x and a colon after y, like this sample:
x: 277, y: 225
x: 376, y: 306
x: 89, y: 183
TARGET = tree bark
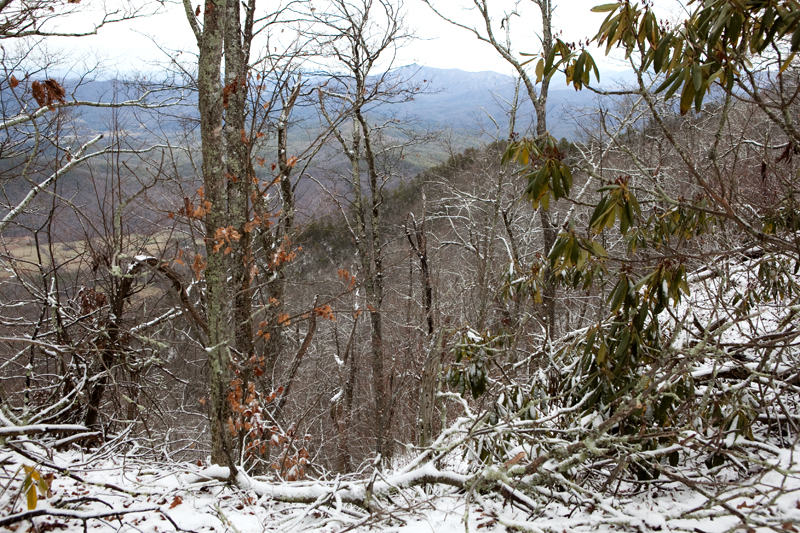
x: 238, y: 175
x: 549, y: 231
x: 209, y: 73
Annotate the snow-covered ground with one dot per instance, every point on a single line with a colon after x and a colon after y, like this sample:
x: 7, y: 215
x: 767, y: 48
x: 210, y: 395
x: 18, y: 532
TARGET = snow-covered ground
x: 122, y: 492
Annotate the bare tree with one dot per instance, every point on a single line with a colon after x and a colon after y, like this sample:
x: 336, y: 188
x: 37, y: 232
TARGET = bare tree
x: 362, y: 37
x: 500, y: 39
x: 48, y: 18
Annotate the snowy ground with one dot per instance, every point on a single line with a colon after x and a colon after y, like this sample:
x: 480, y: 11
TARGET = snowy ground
x: 124, y: 493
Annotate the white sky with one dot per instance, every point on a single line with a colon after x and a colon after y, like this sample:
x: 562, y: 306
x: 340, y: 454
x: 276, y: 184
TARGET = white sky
x: 128, y: 46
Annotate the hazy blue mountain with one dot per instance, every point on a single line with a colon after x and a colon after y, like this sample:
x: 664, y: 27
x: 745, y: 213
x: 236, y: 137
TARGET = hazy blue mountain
x: 460, y: 100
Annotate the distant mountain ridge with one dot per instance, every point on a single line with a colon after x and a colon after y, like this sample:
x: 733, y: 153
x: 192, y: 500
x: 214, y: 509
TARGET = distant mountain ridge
x: 458, y: 98
x: 467, y: 102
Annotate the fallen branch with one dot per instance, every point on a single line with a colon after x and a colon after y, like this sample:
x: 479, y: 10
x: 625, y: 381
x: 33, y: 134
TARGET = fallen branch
x: 39, y: 428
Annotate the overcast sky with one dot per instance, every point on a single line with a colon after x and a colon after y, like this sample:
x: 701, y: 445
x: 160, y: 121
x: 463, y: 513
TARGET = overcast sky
x: 132, y: 45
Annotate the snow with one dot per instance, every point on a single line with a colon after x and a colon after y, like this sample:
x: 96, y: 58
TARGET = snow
x: 137, y: 494
x: 39, y: 428
x: 539, y: 484
x: 139, y: 259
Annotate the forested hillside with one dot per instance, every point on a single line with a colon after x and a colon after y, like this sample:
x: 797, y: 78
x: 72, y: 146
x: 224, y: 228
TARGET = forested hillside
x: 290, y: 284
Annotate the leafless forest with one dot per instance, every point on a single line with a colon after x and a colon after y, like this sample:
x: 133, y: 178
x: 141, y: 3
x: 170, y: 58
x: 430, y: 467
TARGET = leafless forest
x: 252, y: 261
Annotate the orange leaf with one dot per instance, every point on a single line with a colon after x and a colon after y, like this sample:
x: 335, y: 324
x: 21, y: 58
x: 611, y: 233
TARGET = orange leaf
x: 13, y: 81
x: 39, y: 94
x: 519, y: 457
x: 198, y: 266
x: 176, y: 502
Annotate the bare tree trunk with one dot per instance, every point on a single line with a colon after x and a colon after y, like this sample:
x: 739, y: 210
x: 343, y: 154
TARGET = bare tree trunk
x: 374, y: 288
x: 431, y: 370
x: 430, y: 384
x: 298, y: 358
x: 239, y: 174
x: 363, y: 41
x: 276, y: 285
x: 549, y: 231
x: 209, y: 73
x: 341, y: 409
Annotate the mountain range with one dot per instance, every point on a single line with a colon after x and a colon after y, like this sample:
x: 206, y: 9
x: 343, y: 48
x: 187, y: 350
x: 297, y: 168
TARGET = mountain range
x: 474, y: 105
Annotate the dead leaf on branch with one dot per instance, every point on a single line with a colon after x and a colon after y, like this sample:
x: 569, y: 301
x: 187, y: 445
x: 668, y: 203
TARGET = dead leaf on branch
x: 229, y: 89
x: 48, y: 93
x: 519, y: 457
x: 13, y: 81
x: 325, y: 312
x: 198, y: 266
x: 225, y: 236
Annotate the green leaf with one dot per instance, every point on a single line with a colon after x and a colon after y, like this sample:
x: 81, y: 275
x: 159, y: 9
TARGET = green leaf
x: 735, y: 27
x: 548, y: 66
x: 618, y: 296
x: 601, y: 353
x: 624, y: 343
x: 596, y: 70
x: 557, y: 250
x: 686, y: 98
x: 788, y: 62
x: 715, y: 75
x: 719, y: 25
x: 697, y: 77
x: 624, y: 221
x: 566, y: 176
x: 698, y: 99
x: 555, y: 180
x: 605, y: 8
x: 634, y: 203
x: 769, y: 38
x: 661, y: 49
x: 597, y: 249
x: 599, y: 220
x: 590, y: 341
x: 611, y: 32
x: 675, y: 86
